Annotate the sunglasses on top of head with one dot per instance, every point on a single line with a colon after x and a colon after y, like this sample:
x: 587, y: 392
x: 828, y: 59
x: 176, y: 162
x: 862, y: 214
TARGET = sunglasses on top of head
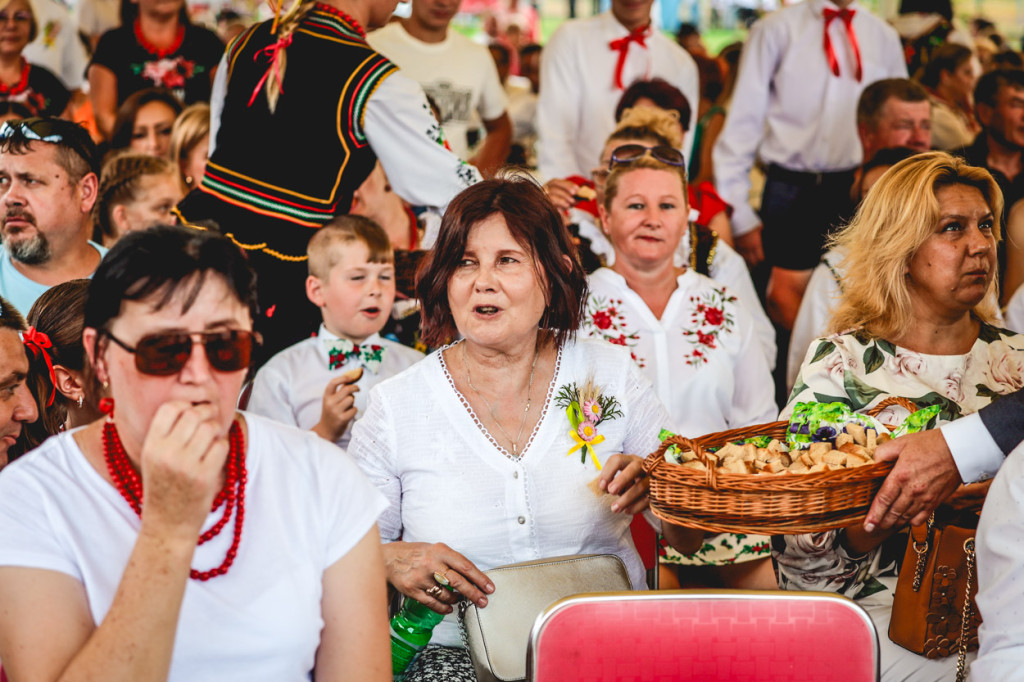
x: 228, y: 350
x: 628, y: 153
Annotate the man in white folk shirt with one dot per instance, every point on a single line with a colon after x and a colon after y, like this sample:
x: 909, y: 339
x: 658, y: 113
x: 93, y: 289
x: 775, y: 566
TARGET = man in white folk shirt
x: 794, y: 106
x: 584, y: 69
x: 457, y: 73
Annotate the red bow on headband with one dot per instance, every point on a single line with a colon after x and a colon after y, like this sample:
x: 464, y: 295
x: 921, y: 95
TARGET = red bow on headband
x: 38, y: 342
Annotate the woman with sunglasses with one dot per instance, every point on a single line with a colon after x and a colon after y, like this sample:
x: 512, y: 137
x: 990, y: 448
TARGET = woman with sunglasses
x: 177, y: 539
x: 688, y: 333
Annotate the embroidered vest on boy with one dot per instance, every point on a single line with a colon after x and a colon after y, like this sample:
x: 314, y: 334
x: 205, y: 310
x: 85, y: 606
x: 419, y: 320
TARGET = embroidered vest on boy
x: 302, y: 162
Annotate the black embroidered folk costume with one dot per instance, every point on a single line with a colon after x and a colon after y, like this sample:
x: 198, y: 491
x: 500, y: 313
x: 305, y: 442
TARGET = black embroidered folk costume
x: 275, y: 176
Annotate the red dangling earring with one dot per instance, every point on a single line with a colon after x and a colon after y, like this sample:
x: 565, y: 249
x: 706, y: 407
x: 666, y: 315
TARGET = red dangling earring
x: 107, y: 407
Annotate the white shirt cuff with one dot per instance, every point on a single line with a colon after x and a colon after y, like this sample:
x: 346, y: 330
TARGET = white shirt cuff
x: 743, y: 219
x: 974, y: 451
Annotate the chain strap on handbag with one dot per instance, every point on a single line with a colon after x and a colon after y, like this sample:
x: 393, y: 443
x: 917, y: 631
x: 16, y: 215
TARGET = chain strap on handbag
x: 922, y: 553
x: 967, y: 615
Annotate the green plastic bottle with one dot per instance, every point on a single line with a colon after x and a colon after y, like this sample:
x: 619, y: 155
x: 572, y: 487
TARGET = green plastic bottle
x: 411, y: 628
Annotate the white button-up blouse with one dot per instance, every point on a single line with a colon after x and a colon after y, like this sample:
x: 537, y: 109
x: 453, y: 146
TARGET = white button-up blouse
x: 448, y: 481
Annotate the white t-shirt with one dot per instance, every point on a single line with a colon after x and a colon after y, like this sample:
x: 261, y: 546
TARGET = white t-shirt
x: 307, y: 505
x: 19, y: 289
x: 57, y: 46
x: 457, y: 73
x: 702, y: 354
x: 290, y: 387
x: 448, y: 481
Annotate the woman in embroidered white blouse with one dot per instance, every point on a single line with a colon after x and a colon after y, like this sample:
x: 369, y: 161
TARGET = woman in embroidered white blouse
x: 687, y: 332
x: 506, y: 446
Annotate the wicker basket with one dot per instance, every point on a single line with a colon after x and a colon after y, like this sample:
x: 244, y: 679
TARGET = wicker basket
x: 761, y: 503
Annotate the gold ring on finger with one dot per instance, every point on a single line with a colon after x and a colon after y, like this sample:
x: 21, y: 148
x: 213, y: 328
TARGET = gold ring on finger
x: 441, y: 578
x: 434, y: 591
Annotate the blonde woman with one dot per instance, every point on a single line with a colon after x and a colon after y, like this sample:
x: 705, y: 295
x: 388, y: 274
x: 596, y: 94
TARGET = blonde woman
x: 136, y: 191
x: 915, y: 320
x: 190, y: 143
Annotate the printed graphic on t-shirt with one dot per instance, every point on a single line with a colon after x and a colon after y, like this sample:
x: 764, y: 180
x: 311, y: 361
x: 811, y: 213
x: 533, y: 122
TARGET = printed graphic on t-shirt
x: 452, y: 100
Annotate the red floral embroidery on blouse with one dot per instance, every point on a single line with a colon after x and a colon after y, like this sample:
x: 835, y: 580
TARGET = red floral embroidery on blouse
x: 604, y: 321
x: 709, y: 319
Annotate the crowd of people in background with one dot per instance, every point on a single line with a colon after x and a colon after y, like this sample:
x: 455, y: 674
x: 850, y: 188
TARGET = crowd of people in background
x: 339, y: 276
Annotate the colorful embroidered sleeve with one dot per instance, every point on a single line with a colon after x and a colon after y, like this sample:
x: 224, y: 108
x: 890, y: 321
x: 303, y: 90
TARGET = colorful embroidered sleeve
x: 400, y: 127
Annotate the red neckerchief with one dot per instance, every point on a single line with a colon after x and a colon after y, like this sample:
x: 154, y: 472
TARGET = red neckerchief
x: 158, y: 52
x: 638, y: 36
x: 20, y: 86
x: 847, y: 17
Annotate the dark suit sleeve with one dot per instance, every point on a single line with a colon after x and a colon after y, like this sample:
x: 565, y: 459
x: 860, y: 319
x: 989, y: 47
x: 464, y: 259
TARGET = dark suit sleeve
x: 1004, y: 420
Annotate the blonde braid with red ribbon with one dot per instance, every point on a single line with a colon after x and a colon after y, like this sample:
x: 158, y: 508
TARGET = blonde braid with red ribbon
x: 283, y: 27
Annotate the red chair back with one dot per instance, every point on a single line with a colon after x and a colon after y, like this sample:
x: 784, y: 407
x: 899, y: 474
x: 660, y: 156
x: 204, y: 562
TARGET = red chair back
x: 704, y: 635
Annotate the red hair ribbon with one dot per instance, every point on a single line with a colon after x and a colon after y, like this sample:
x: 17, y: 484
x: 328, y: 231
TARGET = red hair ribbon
x: 638, y: 36
x: 38, y: 342
x: 847, y: 16
x: 273, y: 51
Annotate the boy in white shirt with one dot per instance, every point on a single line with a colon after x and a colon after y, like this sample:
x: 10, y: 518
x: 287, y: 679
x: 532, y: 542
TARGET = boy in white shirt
x: 321, y: 383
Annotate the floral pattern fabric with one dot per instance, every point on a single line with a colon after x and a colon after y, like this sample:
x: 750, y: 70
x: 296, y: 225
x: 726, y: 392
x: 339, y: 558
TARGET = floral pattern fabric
x: 39, y: 91
x: 709, y: 318
x: 861, y: 371
x: 701, y: 355
x: 186, y: 72
x: 719, y: 550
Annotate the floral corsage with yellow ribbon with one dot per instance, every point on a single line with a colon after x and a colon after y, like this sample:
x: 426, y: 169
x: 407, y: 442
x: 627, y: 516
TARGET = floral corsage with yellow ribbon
x: 586, y: 409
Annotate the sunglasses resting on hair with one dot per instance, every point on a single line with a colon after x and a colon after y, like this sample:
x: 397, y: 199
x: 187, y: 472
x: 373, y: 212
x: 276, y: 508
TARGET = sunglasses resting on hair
x: 628, y: 153
x: 165, y: 354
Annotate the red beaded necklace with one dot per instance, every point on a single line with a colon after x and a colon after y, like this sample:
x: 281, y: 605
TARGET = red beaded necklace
x: 19, y: 87
x: 232, y: 496
x: 153, y: 49
x: 344, y: 17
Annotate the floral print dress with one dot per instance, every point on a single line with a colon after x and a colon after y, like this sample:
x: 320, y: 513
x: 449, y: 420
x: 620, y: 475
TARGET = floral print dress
x: 861, y: 371
x: 706, y: 364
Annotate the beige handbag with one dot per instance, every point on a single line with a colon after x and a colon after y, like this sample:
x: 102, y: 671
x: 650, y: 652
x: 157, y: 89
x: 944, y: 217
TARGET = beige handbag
x: 497, y: 636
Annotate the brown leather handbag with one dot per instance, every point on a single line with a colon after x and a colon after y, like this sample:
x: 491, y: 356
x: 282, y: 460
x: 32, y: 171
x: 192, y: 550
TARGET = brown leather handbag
x: 934, y: 613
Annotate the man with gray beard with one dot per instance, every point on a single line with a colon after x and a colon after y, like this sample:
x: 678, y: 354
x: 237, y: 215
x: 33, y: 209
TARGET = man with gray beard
x: 48, y: 185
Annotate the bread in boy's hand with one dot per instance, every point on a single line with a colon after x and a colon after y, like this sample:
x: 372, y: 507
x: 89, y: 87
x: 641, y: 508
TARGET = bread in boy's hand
x: 353, y: 375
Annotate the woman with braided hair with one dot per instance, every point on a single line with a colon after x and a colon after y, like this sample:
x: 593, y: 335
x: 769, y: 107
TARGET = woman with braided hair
x: 136, y: 191
x: 269, y: 194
